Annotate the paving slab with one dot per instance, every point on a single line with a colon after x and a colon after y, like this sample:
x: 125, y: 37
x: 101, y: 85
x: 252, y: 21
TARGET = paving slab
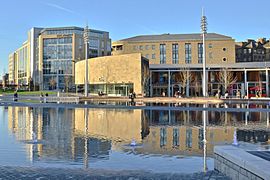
x: 58, y: 173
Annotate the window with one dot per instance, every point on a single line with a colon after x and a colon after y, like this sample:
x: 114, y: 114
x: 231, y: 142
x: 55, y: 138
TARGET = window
x: 146, y: 47
x: 163, y: 136
x: 188, y: 53
x: 200, y: 53
x: 153, y: 56
x: 224, y: 59
x: 175, y: 53
x: 189, y: 138
x: 147, y: 56
x: 175, y: 137
x: 224, y: 49
x: 162, y: 53
x: 210, y: 55
x: 153, y: 47
x: 210, y: 45
x: 141, y: 47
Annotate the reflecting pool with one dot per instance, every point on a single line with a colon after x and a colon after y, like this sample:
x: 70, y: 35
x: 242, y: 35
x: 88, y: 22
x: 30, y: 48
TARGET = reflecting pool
x: 124, y: 139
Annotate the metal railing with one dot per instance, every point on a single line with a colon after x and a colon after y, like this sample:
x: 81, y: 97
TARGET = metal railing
x: 60, y: 99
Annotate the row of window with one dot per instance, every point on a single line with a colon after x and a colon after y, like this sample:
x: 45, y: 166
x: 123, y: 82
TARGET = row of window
x: 146, y: 47
x: 175, y: 53
x: 71, y: 31
x: 249, y: 51
x: 153, y: 47
x: 176, y: 135
x: 175, y: 57
x: 53, y: 41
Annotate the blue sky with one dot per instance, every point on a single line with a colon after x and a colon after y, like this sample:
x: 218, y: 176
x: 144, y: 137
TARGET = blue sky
x: 241, y: 19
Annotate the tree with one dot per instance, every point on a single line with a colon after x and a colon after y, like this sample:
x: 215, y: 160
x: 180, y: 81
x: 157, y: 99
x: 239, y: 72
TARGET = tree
x: 67, y: 82
x: 52, y: 83
x: 184, y: 77
x: 226, y: 78
x: 197, y: 78
x: 30, y: 84
x: 146, y: 79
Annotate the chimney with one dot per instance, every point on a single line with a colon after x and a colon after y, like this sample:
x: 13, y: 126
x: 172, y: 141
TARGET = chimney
x: 262, y: 40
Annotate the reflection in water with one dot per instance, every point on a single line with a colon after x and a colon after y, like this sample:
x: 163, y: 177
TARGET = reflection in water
x: 205, y: 119
x: 85, y: 139
x: 89, y: 137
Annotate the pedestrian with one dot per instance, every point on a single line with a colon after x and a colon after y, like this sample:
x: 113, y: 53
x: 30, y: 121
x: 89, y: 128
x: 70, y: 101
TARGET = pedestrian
x: 163, y: 94
x: 226, y: 95
x: 15, y: 96
x: 132, y: 96
x: 238, y: 94
x: 41, y: 97
x: 257, y: 94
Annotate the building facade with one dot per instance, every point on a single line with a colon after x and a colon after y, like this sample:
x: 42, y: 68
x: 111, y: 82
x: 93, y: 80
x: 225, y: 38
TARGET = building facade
x: 176, y: 65
x: 253, y: 51
x: 46, y: 60
x: 114, y: 75
x: 12, y: 68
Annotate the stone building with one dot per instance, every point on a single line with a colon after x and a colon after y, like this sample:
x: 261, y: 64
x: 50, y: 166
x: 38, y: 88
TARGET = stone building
x: 176, y: 64
x: 114, y: 75
x: 253, y: 51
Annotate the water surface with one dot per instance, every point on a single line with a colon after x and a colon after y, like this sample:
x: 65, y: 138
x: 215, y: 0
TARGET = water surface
x: 166, y: 140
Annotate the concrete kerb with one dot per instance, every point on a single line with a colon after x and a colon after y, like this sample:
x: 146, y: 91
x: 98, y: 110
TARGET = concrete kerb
x: 245, y: 160
x: 112, y: 106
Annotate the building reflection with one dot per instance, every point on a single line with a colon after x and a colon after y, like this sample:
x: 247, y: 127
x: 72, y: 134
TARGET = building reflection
x: 88, y: 135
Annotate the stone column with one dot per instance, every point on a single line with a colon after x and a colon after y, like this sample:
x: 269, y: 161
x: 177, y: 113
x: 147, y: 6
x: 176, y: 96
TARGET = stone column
x: 169, y: 83
x: 267, y: 117
x: 267, y: 82
x: 206, y: 79
x: 188, y: 81
x: 151, y: 85
x: 245, y: 81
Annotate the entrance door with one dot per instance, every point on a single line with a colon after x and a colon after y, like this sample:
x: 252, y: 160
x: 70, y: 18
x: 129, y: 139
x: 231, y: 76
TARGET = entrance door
x: 121, y: 90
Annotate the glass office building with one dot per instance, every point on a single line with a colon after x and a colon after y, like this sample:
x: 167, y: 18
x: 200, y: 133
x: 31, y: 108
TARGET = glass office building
x: 61, y: 48
x: 57, y: 62
x: 48, y: 56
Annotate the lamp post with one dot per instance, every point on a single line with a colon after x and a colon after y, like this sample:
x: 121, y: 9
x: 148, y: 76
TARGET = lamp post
x: 204, y: 31
x: 86, y: 42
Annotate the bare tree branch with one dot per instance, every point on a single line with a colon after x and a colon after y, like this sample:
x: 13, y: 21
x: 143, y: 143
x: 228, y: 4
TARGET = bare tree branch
x: 183, y: 77
x: 52, y: 83
x: 226, y: 78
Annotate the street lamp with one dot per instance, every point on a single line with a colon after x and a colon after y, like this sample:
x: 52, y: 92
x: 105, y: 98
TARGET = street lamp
x: 86, y: 42
x: 204, y: 32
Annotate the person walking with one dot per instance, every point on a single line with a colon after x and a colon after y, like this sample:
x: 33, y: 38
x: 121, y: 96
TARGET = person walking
x: 15, y: 98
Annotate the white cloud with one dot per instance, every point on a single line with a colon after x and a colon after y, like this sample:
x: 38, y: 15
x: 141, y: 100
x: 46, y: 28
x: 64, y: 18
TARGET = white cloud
x: 60, y: 8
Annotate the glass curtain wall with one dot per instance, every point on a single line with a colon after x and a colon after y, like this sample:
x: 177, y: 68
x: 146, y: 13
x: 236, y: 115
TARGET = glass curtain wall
x: 57, y: 63
x: 22, y: 66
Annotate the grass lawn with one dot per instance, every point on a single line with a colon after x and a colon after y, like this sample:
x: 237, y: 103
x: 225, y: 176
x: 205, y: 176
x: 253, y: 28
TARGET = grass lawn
x: 28, y: 101
x: 28, y: 92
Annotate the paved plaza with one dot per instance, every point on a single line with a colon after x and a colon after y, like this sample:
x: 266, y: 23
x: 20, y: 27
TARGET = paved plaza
x: 29, y: 173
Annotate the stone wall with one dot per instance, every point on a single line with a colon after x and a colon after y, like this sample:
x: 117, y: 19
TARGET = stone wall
x: 232, y: 170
